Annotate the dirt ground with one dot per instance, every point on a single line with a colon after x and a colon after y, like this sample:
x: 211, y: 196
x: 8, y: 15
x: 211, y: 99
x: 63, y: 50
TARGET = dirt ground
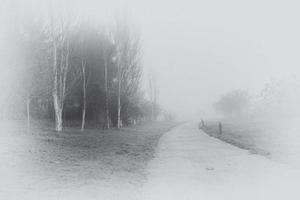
x: 46, y: 164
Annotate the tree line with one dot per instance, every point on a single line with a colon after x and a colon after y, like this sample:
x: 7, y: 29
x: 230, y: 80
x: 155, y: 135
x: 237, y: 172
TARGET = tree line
x: 77, y: 70
x: 277, y: 99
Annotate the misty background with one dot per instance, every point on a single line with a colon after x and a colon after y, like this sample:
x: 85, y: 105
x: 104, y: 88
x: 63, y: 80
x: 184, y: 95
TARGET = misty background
x: 219, y: 61
x: 199, y: 50
x: 89, y: 88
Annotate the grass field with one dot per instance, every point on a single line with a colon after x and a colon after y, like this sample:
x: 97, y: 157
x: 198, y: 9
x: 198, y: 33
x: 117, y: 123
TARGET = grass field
x: 43, y: 160
x: 279, y: 141
x: 249, y: 136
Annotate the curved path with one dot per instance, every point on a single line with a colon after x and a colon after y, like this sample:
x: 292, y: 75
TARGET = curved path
x: 191, y: 165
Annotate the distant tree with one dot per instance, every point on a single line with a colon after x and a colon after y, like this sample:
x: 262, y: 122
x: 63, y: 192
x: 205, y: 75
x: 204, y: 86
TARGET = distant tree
x: 278, y: 98
x: 68, y: 70
x: 80, y: 56
x: 128, y: 66
x: 169, y: 116
x: 108, y: 51
x: 233, y: 103
x: 32, y: 65
x: 153, y: 94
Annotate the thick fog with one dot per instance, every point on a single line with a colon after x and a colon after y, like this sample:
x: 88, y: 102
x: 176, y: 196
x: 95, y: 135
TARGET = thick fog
x: 151, y: 99
x: 198, y: 50
x: 203, y: 49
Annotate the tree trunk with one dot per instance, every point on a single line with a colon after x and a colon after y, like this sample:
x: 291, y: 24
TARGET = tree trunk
x: 59, y: 84
x: 57, y: 108
x: 152, y: 111
x: 58, y: 113
x: 119, y: 97
x: 84, y: 95
x: 119, y: 106
x: 151, y: 97
x: 83, y: 114
x: 56, y: 92
x: 28, y: 112
x: 106, y: 97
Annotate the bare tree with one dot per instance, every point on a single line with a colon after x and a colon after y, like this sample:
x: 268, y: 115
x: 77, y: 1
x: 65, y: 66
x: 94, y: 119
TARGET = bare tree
x: 128, y: 64
x: 153, y: 94
x: 83, y: 52
x: 131, y: 76
x: 33, y: 66
x: 106, y: 95
x: 111, y: 68
x: 108, y: 53
x: 119, y: 123
x: 61, y: 60
x: 234, y: 103
x: 84, y: 87
x: 121, y: 42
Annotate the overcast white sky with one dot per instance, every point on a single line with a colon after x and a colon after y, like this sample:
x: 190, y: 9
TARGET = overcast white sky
x: 202, y: 49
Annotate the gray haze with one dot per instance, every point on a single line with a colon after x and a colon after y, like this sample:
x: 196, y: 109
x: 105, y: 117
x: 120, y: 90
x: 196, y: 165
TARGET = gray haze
x: 81, y: 92
x: 200, y: 50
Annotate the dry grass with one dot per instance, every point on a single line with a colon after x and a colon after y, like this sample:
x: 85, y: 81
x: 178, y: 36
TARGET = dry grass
x: 251, y: 136
x: 107, y: 156
x: 275, y: 139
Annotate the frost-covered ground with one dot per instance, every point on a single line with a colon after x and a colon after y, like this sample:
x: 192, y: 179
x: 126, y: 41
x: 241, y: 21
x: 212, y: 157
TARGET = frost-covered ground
x: 94, y: 164
x: 189, y: 164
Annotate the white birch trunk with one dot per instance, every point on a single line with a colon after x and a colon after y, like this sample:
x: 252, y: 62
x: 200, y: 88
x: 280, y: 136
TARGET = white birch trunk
x: 83, y: 117
x: 119, y: 97
x: 58, y: 113
x: 106, y: 96
x: 83, y: 64
x: 55, y: 93
x: 59, y: 84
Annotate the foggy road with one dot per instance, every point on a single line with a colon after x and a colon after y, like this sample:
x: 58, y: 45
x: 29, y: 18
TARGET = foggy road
x: 93, y: 93
x: 191, y: 165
